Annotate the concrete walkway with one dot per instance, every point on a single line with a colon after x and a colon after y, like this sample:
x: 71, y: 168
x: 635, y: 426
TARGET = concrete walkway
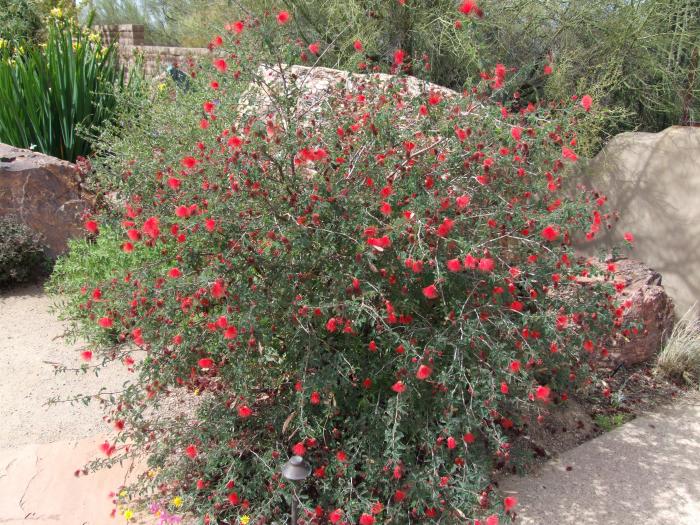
x: 644, y: 472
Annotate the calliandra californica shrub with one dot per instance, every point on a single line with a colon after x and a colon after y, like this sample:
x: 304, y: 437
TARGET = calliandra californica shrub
x: 379, y: 279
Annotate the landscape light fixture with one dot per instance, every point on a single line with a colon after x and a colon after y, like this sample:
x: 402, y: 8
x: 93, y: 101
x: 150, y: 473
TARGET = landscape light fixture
x: 295, y: 470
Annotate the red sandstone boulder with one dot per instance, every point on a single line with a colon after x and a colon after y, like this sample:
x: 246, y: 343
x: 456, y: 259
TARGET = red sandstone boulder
x: 650, y: 313
x: 44, y: 193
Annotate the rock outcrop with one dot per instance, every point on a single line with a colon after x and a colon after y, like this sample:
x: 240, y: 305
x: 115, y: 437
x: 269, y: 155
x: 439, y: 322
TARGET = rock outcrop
x: 647, y: 317
x: 44, y: 193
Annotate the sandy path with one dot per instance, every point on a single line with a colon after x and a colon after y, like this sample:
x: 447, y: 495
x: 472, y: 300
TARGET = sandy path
x: 29, y: 336
x: 646, y: 471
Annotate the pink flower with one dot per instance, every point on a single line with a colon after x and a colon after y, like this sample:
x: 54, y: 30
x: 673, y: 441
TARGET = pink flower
x: 463, y: 201
x: 431, y: 292
x: 509, y: 503
x: 492, y: 520
x: 107, y: 449
x: 547, y: 69
x: 586, y: 102
x: 629, y: 237
x: 424, y: 372
x: 516, y: 133
x: 568, y: 153
x: 86, y: 355
x: 357, y: 45
x: 314, y: 48
x: 105, y: 322
x: 446, y: 227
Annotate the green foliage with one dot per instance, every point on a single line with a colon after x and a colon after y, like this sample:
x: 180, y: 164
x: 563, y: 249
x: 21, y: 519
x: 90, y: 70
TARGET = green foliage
x: 155, y: 15
x: 379, y: 279
x: 48, y: 92
x: 679, y: 359
x: 608, y: 422
x: 19, y: 20
x: 22, y: 256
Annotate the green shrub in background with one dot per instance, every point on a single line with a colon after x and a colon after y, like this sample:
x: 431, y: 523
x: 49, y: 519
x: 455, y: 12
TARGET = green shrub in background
x: 49, y: 91
x: 639, y: 59
x: 22, y: 255
x: 19, y: 20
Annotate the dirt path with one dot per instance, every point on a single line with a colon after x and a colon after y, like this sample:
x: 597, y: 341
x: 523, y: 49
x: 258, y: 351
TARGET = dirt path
x: 29, y: 338
x: 646, y: 471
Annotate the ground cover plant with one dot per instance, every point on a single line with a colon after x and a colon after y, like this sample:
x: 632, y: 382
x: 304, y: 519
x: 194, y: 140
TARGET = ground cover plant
x: 378, y: 278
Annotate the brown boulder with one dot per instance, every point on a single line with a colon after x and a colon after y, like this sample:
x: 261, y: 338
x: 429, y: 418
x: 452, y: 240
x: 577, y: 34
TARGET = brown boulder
x: 649, y: 317
x: 44, y: 193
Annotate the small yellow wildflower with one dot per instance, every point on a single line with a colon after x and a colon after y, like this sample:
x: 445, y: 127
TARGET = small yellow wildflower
x: 123, y: 494
x: 177, y: 502
x: 94, y: 38
x: 3, y: 43
x: 245, y: 519
x: 128, y: 514
x: 56, y: 12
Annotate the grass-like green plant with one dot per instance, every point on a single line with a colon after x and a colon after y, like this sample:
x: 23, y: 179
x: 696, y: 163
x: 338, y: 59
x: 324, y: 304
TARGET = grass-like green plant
x: 680, y: 358
x: 47, y: 92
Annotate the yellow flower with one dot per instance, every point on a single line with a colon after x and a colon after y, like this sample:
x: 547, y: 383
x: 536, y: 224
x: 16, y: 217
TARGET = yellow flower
x: 3, y: 43
x: 94, y: 38
x: 56, y: 12
x: 128, y: 514
x: 122, y: 494
x: 177, y: 502
x: 245, y: 519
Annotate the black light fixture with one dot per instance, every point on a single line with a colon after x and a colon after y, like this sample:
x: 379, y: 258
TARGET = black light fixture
x: 296, y: 469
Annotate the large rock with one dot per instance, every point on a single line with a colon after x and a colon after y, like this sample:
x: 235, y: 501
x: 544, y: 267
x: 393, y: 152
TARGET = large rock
x: 44, y: 193
x: 653, y: 181
x: 647, y: 313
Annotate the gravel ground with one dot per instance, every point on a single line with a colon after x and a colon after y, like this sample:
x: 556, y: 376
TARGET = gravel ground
x: 30, y: 337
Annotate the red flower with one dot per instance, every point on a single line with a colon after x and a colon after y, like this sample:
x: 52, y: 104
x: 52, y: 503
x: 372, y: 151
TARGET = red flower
x: 341, y: 456
x: 189, y: 162
x: 445, y: 228
x: 107, y: 449
x: 357, y: 45
x: 547, y: 69
x: 237, y: 27
x: 220, y: 65
x: 86, y: 355
x: 335, y: 516
x: 451, y: 443
x: 469, y: 438
x: 210, y: 224
x: 431, y: 292
x: 516, y: 133
x: 105, y: 322
x: 91, y: 226
x: 332, y: 324
x: 283, y: 17
x: 379, y: 243
x: 205, y: 363
x: 542, y: 393
x: 514, y: 366
x: 399, y: 56
x: 485, y: 264
x: 424, y: 372
x: 230, y: 332
x: 398, y: 387
x: 454, y: 265
x: 509, y: 503
x: 586, y: 102
x: 463, y: 201
x: 218, y: 290
x: 569, y: 154
x: 245, y: 411
x: 629, y: 237
x: 191, y: 451
x: 217, y: 41
x: 208, y: 107
x: 492, y: 520
x: 399, y: 496
x: 314, y: 48
x: 550, y: 233
x: 233, y: 498
x: 504, y: 388
x: 366, y: 519
x: 467, y: 7
x: 385, y: 208
x: 299, y: 449
x: 174, y: 273
x: 315, y: 398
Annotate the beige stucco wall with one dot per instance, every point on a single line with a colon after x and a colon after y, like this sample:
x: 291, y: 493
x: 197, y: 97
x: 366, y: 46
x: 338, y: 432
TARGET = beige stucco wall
x: 653, y: 181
